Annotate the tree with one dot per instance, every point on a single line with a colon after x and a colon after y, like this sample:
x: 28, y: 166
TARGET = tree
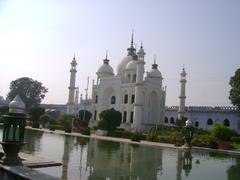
x: 66, y: 121
x: 85, y: 115
x: 181, y: 122
x: 35, y: 114
x: 235, y: 89
x: 3, y: 110
x: 31, y: 91
x: 81, y: 123
x: 110, y: 119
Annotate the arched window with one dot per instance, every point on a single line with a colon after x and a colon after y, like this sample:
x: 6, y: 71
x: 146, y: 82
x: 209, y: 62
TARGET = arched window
x: 196, y: 124
x: 131, y: 117
x: 210, y: 122
x: 226, y: 122
x: 133, y: 98
x: 96, y: 99
x: 95, y: 115
x: 128, y: 78
x: 125, y: 99
x: 113, y: 100
x: 172, y: 120
x: 166, y: 120
x: 134, y: 78
x: 124, y: 116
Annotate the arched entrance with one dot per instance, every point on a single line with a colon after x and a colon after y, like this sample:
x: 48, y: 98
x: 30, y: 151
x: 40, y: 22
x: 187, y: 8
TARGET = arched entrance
x: 153, y: 108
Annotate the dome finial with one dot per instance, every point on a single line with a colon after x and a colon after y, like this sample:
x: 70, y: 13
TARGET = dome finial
x: 132, y: 38
x: 106, y: 54
x: 106, y: 60
x: 141, y: 45
x: 131, y: 49
x: 154, y: 66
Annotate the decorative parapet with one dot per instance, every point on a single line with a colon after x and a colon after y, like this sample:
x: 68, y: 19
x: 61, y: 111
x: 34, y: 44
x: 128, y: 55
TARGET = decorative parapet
x: 205, y: 108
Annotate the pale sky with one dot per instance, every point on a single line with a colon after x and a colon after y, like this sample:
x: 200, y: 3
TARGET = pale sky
x: 38, y: 39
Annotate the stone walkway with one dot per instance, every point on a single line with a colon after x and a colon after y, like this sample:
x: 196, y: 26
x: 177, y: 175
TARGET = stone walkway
x: 145, y: 143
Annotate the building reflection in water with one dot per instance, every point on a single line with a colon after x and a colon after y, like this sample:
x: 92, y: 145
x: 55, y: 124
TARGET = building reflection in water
x: 68, y: 146
x: 84, y: 158
x: 123, y: 161
x: 33, y: 139
x: 187, y: 161
x: 184, y: 162
x: 233, y: 172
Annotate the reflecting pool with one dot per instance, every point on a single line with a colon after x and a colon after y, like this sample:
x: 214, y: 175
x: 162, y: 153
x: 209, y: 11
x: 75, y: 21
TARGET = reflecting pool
x: 84, y: 158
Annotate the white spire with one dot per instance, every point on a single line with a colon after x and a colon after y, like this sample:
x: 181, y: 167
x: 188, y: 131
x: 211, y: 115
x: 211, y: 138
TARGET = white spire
x: 182, y: 97
x: 72, y: 88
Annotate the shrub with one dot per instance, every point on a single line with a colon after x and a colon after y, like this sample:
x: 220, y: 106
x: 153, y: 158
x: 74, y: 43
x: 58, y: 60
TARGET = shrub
x: 86, y: 131
x: 152, y: 135
x: 178, y: 141
x: 213, y: 144
x: 53, y: 127
x: 204, y: 140
x: 235, y: 139
x: 166, y: 139
x: 116, y: 133
x: 221, y: 132
x: 66, y: 121
x: 136, y: 137
x: 68, y: 130
x: 110, y: 119
x: 126, y: 134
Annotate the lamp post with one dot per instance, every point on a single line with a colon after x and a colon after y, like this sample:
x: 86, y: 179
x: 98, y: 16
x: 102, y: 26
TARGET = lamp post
x: 188, y: 133
x: 13, y: 131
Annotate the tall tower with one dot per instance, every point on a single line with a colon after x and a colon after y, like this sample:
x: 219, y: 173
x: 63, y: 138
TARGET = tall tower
x: 73, y: 71
x: 76, y: 99
x: 138, y: 105
x: 182, y: 97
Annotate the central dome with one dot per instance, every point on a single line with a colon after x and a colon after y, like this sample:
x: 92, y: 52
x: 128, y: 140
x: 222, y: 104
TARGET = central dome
x: 122, y: 65
x: 132, y: 65
x: 105, y: 69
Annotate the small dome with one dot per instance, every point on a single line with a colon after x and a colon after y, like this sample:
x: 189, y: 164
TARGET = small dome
x: 183, y: 73
x: 122, y: 65
x: 105, y: 69
x: 17, y: 105
x: 154, y: 73
x: 141, y: 51
x: 132, y: 65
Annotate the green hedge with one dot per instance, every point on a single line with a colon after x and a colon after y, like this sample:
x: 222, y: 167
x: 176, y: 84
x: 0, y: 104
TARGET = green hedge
x: 53, y: 127
x: 136, y: 137
x: 86, y: 131
x: 221, y: 132
x: 235, y: 139
x: 204, y: 140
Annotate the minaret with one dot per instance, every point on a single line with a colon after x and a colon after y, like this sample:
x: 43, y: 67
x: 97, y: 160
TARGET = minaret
x: 182, y: 97
x: 76, y: 99
x: 73, y: 71
x: 138, y: 105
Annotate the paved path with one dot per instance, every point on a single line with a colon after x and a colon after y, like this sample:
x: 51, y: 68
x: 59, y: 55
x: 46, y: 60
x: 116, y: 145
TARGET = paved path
x: 146, y: 143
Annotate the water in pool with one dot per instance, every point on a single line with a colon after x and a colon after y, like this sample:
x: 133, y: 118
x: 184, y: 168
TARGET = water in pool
x: 84, y: 158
